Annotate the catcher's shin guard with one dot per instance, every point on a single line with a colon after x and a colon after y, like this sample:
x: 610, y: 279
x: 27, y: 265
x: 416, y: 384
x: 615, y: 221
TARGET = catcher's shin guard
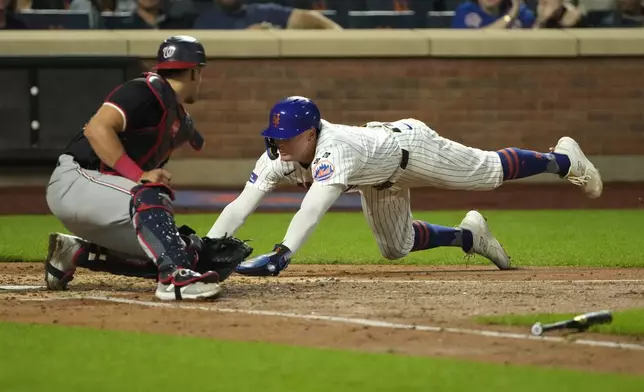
x: 153, y: 219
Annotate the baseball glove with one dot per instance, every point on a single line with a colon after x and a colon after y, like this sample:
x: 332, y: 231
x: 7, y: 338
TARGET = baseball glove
x: 221, y: 255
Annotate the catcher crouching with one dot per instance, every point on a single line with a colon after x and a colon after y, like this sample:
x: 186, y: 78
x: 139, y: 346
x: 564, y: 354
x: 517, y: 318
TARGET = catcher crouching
x: 111, y: 190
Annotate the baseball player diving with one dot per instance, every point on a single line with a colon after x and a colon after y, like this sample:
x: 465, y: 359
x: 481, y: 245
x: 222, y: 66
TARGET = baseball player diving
x: 111, y: 191
x: 382, y: 161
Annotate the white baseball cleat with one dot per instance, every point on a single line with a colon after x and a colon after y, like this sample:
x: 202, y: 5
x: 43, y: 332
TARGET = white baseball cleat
x: 484, y: 243
x: 188, y: 284
x: 582, y: 172
x: 59, y: 266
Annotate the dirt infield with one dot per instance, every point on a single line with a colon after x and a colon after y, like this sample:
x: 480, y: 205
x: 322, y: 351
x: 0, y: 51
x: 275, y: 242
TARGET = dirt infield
x: 350, y: 307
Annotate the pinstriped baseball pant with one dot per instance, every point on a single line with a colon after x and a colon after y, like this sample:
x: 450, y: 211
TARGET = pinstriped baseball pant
x: 433, y: 162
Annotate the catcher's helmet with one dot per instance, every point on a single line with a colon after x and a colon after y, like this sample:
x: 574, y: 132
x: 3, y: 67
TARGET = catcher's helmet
x: 289, y: 118
x: 180, y: 52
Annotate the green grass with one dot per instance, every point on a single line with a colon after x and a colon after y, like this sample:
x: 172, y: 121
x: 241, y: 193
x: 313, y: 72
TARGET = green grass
x: 627, y: 322
x: 56, y: 358
x: 607, y: 238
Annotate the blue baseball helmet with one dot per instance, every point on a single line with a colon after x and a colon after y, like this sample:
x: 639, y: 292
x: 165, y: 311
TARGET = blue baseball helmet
x: 288, y: 118
x: 291, y: 117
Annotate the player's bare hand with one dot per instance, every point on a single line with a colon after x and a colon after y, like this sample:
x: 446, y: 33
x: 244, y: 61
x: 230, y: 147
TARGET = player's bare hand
x: 157, y: 176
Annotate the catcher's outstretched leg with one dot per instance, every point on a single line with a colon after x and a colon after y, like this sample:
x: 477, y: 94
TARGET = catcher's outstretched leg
x: 153, y: 219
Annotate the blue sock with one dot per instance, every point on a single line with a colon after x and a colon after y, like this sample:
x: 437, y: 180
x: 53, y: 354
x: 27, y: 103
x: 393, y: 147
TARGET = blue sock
x: 428, y: 236
x: 519, y: 163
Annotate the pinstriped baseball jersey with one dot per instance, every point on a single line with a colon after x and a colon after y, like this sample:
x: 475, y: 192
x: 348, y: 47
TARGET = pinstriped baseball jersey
x: 346, y: 155
x: 268, y: 174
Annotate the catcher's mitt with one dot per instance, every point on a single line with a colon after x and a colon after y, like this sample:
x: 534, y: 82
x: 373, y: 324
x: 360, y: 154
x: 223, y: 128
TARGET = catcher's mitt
x: 221, y: 255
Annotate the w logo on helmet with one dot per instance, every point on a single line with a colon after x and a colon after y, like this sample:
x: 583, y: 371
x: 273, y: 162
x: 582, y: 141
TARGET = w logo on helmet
x: 168, y: 51
x: 276, y: 119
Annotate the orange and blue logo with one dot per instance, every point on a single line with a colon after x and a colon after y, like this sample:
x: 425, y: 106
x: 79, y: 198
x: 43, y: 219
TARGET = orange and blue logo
x: 323, y: 171
x: 276, y: 119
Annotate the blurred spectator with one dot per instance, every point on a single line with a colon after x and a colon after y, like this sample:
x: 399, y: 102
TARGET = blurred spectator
x: 103, y: 5
x: 559, y: 14
x: 41, y: 5
x: 236, y: 15
x: 307, y: 4
x: 388, y: 5
x: 629, y: 13
x: 8, y: 20
x: 95, y: 7
x: 151, y: 14
x: 493, y: 14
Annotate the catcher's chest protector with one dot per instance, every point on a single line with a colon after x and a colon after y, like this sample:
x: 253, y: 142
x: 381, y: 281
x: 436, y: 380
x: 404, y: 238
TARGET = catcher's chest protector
x: 175, y: 128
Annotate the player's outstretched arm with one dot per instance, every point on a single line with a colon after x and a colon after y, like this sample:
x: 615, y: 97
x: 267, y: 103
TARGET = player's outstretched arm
x: 235, y: 213
x: 315, y: 204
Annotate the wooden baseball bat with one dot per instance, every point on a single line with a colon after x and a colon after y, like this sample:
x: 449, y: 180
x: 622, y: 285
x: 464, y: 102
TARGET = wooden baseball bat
x: 581, y: 322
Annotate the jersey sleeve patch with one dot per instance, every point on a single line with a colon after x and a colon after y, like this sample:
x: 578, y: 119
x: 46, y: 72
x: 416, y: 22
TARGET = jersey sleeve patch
x: 323, y: 170
x: 253, y: 177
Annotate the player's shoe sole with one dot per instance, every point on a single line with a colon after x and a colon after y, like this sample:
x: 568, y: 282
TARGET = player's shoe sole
x: 185, y: 284
x: 582, y: 172
x: 59, y: 265
x: 195, y: 291
x: 484, y: 243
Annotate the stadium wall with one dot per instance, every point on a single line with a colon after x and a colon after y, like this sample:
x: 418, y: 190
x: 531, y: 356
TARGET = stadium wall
x: 486, y: 89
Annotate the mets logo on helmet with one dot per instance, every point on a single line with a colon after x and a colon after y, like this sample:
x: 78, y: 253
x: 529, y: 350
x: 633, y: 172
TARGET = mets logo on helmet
x: 323, y: 171
x: 276, y: 119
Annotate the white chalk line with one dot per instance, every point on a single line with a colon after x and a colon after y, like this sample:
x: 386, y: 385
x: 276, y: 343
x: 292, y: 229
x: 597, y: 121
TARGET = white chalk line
x: 20, y: 287
x: 439, y: 281
x: 364, y: 322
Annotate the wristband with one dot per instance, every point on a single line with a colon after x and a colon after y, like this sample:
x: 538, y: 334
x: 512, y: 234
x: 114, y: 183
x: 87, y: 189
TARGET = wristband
x: 128, y: 168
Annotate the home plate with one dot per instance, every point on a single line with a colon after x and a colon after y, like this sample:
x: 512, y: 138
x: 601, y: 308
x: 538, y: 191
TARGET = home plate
x: 21, y: 288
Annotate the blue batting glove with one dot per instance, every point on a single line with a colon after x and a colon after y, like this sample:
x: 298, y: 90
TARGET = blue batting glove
x: 268, y: 264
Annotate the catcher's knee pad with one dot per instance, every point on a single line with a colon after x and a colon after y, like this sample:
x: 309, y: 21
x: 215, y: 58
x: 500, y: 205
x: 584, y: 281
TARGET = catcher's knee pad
x: 151, y: 196
x: 153, y: 218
